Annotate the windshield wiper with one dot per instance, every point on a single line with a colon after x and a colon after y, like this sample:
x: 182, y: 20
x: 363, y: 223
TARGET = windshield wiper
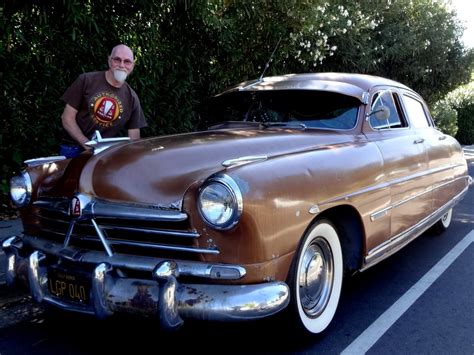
x: 284, y: 124
x: 233, y: 124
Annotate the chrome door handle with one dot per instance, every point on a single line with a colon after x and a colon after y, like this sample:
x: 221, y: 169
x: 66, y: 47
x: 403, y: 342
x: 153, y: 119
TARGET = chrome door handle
x: 418, y: 141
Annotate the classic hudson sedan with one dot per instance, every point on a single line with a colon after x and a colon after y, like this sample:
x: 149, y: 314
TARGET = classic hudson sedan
x: 290, y: 184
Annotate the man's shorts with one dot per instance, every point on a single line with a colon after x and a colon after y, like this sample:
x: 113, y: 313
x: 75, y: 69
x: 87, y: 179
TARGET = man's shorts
x: 70, y: 151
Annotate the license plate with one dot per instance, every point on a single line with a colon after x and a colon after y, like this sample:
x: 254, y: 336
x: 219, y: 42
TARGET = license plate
x: 67, y: 285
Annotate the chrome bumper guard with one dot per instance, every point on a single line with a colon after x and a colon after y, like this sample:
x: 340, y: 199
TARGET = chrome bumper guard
x: 161, y: 296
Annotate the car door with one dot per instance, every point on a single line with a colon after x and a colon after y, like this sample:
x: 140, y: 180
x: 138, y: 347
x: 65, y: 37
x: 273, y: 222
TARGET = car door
x: 438, y: 147
x: 405, y: 163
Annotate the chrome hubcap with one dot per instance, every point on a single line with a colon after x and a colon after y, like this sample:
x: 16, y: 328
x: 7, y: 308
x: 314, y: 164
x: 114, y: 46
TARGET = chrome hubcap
x: 316, y: 277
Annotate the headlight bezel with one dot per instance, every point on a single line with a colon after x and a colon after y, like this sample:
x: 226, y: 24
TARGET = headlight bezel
x: 233, y: 190
x: 25, y: 184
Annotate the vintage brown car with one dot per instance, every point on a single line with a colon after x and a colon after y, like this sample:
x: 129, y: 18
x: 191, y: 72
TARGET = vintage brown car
x: 289, y: 184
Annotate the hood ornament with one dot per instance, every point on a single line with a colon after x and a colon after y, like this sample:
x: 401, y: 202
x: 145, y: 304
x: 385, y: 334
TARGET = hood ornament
x: 243, y: 160
x: 100, y: 144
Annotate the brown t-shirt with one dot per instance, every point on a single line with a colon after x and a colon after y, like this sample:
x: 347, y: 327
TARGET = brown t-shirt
x: 102, y: 106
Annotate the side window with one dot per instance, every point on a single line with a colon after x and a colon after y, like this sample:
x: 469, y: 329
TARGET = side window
x: 416, y: 113
x: 386, y: 100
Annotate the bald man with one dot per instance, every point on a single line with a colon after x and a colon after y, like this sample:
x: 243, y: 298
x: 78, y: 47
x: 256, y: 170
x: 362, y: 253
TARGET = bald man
x: 101, y: 101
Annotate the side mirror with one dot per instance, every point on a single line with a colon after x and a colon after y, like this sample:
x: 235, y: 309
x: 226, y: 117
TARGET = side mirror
x: 381, y: 114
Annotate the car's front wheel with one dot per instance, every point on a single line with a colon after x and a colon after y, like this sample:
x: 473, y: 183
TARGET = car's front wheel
x: 316, y: 277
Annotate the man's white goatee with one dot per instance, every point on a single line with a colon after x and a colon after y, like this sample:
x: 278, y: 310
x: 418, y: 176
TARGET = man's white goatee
x: 120, y: 75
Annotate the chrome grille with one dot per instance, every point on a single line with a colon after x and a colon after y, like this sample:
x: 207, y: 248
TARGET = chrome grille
x: 128, y: 229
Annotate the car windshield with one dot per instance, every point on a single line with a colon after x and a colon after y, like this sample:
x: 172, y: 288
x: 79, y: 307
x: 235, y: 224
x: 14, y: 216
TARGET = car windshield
x: 283, y: 108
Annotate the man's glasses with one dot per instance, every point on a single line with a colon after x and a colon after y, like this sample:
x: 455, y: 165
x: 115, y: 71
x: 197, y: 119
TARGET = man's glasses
x: 126, y: 62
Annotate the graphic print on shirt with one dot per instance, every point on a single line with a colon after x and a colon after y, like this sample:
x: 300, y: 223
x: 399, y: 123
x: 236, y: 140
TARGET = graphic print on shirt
x: 105, y: 108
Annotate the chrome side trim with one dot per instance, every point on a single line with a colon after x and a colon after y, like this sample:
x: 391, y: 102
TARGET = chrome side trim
x: 133, y: 262
x: 388, y: 184
x: 243, y: 160
x: 377, y: 215
x: 383, y: 212
x: 391, y: 246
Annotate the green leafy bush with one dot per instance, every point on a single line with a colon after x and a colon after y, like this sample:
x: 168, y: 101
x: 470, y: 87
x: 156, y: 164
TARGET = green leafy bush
x: 466, y: 123
x: 462, y: 101
x: 445, y: 117
x: 189, y: 50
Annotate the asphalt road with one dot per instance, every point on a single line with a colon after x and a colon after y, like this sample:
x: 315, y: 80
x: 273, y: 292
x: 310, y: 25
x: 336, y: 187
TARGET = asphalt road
x: 419, y: 301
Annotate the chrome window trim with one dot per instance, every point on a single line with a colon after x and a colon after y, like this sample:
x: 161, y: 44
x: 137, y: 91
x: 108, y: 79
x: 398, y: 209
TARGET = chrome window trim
x: 402, y: 115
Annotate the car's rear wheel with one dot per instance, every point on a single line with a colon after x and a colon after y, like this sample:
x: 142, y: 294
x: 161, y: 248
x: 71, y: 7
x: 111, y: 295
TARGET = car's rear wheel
x: 444, y: 222
x: 316, y: 277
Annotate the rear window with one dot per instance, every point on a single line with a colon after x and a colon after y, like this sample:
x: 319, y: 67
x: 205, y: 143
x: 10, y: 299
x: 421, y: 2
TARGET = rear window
x: 416, y: 112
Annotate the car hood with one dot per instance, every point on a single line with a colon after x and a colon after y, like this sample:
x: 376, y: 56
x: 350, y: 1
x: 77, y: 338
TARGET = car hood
x: 159, y: 170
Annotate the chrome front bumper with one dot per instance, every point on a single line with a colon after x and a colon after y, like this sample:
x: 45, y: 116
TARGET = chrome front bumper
x: 161, y: 296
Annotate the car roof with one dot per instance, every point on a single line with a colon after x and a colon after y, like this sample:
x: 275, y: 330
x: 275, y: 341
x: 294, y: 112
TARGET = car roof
x: 356, y: 85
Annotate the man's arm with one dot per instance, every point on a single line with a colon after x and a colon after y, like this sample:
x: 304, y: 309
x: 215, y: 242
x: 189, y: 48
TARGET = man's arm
x: 134, y: 133
x: 68, y: 119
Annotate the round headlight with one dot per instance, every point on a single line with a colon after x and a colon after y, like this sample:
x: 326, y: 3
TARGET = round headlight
x: 220, y: 202
x: 20, y: 189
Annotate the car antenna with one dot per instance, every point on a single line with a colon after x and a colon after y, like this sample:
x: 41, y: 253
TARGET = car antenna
x: 269, y: 60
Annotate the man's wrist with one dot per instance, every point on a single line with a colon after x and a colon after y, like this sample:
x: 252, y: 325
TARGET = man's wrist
x: 84, y: 145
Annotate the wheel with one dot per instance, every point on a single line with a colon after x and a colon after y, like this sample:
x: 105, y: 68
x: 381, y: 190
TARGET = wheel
x: 444, y: 222
x: 316, y: 277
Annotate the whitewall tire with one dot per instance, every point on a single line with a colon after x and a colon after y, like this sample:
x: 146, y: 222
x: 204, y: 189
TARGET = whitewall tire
x: 444, y: 222
x: 316, y: 279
